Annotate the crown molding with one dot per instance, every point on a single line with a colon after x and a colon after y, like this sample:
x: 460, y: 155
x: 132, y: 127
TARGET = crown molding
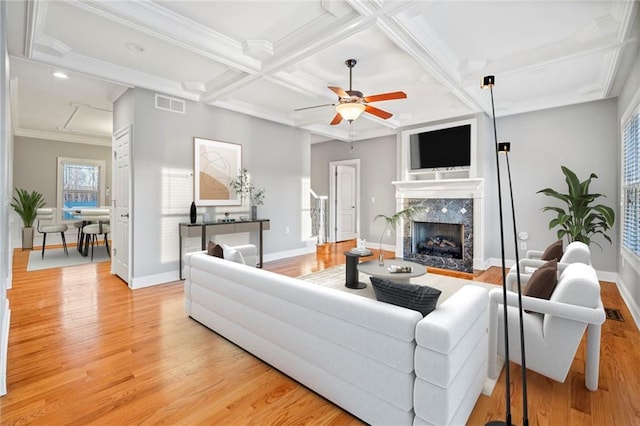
x: 62, y: 137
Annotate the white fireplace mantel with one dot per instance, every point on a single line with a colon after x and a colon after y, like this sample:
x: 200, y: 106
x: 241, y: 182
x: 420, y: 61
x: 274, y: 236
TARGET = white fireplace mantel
x: 440, y: 188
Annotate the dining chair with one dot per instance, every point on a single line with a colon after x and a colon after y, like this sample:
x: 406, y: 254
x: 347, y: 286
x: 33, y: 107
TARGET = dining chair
x: 99, y: 225
x: 47, y: 214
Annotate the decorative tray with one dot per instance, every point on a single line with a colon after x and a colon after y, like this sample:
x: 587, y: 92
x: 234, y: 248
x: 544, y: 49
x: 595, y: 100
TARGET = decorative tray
x: 395, y: 269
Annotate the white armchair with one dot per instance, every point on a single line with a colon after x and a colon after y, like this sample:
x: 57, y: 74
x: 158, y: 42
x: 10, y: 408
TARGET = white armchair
x: 553, y: 328
x: 576, y: 252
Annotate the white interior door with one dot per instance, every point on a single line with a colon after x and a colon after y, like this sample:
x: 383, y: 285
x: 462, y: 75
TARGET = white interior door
x: 346, y: 211
x: 121, y: 198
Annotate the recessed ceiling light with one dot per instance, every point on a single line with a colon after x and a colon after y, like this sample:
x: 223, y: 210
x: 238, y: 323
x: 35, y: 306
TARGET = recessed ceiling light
x: 135, y: 47
x: 60, y: 74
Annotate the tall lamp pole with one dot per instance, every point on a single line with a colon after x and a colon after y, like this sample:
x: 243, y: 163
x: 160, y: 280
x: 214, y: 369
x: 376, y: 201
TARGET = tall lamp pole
x: 489, y: 81
x: 505, y: 147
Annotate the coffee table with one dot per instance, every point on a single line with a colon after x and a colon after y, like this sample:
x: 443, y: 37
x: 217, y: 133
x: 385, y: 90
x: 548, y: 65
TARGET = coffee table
x: 373, y: 268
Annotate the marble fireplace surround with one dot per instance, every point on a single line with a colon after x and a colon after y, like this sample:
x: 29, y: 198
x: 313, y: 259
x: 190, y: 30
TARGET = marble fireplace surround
x: 453, y: 195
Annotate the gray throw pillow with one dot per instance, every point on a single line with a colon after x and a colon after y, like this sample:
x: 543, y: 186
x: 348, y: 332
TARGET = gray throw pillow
x: 419, y: 298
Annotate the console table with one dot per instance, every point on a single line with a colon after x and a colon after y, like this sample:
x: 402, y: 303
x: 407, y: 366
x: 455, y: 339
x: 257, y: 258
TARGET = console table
x: 203, y: 229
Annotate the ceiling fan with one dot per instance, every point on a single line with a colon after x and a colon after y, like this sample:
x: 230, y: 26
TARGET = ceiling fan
x: 351, y: 103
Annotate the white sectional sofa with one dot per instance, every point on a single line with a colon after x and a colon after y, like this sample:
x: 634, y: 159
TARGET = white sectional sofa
x: 383, y: 363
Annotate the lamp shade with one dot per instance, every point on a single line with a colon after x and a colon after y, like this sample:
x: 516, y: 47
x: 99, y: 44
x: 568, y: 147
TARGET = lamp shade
x: 350, y: 111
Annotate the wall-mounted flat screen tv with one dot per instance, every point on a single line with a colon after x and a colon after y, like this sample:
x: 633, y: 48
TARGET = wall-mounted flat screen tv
x: 442, y: 148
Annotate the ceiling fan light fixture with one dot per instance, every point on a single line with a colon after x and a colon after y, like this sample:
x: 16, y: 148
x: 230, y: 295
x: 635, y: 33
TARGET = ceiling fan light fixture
x: 350, y: 111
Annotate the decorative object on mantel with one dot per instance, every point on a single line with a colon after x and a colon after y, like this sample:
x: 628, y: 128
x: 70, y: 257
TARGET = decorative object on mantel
x: 243, y: 186
x: 489, y: 81
x: 192, y: 212
x: 393, y: 220
x: 26, y: 205
x: 582, y: 220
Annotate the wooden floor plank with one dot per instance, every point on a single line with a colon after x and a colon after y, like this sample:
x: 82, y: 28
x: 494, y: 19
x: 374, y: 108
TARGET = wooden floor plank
x: 84, y: 349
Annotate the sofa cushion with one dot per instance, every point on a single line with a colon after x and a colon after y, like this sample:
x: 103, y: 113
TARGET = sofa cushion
x: 419, y: 298
x: 554, y: 251
x: 230, y: 253
x: 543, y: 281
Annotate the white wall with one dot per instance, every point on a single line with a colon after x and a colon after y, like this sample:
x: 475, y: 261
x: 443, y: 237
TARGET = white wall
x: 276, y: 156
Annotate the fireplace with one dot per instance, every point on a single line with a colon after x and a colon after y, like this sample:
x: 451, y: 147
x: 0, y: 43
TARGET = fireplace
x: 437, y: 239
x: 441, y: 235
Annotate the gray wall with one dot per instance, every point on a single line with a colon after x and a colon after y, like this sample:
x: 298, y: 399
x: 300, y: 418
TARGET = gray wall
x: 377, y: 171
x: 276, y: 156
x: 630, y: 276
x: 581, y: 137
x: 36, y: 164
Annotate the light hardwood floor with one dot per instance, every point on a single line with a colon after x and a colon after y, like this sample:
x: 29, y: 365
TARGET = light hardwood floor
x: 84, y: 349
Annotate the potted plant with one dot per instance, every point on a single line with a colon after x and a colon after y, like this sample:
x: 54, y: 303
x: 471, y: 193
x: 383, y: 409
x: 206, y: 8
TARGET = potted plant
x: 393, y: 221
x: 582, y: 219
x: 243, y: 186
x: 26, y: 205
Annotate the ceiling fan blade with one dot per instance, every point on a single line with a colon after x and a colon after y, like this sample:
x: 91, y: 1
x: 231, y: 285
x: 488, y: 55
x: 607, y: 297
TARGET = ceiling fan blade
x: 385, y: 97
x: 339, y: 91
x: 315, y: 106
x: 378, y: 112
x: 336, y: 120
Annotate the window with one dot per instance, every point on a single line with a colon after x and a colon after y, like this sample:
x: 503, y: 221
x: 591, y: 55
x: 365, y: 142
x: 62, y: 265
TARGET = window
x: 81, y: 183
x: 631, y: 183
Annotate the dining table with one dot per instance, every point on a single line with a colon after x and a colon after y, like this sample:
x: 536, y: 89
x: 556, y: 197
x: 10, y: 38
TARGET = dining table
x: 87, y: 216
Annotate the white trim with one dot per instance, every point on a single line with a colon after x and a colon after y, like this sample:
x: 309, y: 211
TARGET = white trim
x: 151, y: 280
x: 289, y: 253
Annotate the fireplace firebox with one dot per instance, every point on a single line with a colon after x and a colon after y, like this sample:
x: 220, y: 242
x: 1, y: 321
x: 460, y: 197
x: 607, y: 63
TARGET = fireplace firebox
x: 437, y: 239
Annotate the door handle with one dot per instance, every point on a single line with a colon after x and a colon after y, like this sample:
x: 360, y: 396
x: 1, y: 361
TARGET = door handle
x: 124, y: 215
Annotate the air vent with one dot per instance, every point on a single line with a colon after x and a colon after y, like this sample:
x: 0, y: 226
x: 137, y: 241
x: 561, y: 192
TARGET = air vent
x: 167, y: 103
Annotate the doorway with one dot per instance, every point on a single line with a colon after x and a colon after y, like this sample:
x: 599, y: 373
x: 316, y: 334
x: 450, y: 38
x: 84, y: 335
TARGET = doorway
x: 344, y: 200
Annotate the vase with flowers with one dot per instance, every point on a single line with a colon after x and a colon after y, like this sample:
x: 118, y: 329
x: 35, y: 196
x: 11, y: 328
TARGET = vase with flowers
x: 247, y: 191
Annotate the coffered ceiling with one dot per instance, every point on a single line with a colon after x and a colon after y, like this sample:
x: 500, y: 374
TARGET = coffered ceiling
x: 268, y: 58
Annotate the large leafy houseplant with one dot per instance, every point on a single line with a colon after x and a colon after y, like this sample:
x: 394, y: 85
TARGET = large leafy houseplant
x: 393, y: 220
x: 26, y: 204
x: 581, y: 219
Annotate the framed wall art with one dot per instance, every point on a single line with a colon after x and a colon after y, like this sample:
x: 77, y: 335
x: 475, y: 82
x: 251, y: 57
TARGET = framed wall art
x: 215, y: 165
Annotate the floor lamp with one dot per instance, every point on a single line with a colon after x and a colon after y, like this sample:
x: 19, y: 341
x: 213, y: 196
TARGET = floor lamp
x: 505, y: 147
x: 489, y: 81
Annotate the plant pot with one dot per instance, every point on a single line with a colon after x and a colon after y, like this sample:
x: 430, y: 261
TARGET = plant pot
x: 254, y: 212
x: 27, y: 238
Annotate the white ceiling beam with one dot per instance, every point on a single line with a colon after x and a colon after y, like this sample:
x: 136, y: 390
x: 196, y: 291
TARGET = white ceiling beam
x: 62, y: 137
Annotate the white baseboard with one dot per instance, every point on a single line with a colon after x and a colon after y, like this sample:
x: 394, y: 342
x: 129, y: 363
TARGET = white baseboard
x: 289, y: 253
x: 151, y: 280
x: 630, y: 302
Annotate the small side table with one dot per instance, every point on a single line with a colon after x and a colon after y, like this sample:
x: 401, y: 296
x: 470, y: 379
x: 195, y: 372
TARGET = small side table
x: 353, y: 258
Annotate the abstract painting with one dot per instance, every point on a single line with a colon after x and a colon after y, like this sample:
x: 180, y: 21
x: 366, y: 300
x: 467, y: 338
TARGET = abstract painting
x: 216, y: 164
